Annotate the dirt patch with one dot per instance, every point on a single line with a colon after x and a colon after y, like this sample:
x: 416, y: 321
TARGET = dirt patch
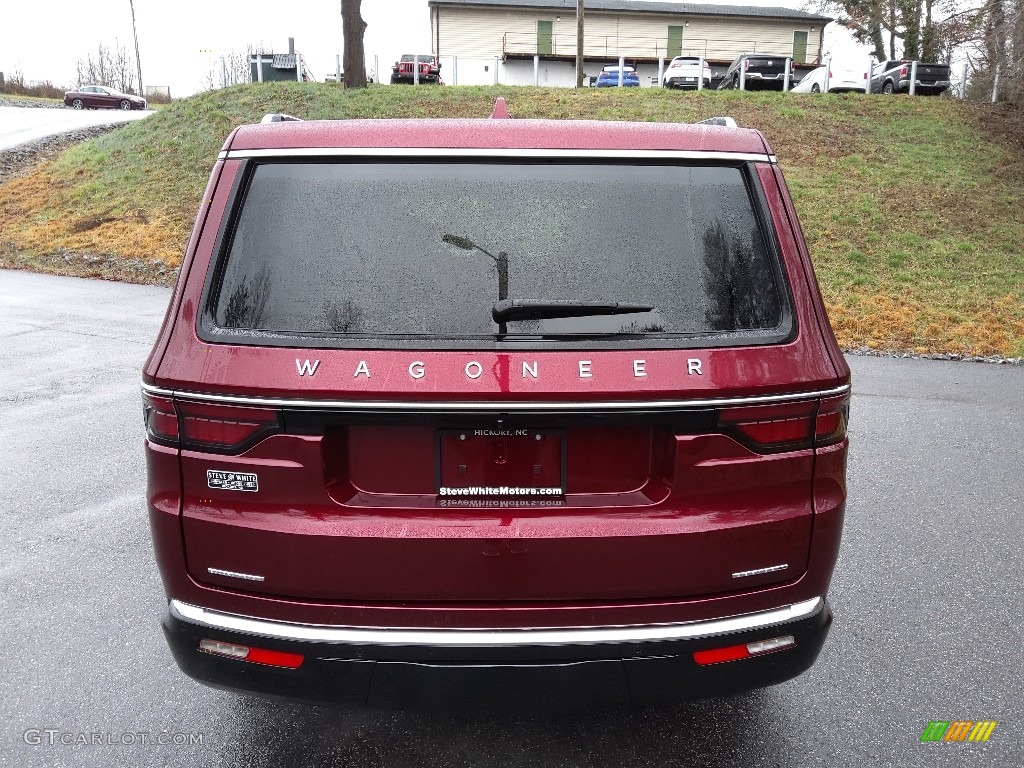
x: 1002, y: 121
x: 78, y: 264
x: 31, y: 211
x: 890, y: 324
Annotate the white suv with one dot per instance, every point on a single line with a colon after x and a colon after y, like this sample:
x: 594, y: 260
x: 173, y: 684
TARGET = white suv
x: 683, y: 72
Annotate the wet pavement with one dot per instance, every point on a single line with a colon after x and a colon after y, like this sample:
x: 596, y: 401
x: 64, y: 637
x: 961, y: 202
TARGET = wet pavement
x: 928, y: 594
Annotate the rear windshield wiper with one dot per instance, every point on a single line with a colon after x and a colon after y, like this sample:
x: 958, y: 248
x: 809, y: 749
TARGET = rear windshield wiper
x: 538, y: 309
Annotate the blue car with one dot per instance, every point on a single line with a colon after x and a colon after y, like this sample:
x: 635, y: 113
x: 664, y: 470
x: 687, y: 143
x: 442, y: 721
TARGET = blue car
x: 609, y: 77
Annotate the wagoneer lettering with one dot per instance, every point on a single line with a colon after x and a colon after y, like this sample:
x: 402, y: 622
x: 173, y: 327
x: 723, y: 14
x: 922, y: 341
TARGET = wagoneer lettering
x: 562, y: 485
x: 473, y: 369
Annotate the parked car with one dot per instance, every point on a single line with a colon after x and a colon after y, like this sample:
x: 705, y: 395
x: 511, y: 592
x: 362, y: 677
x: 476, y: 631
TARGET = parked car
x: 832, y: 79
x: 683, y: 72
x: 101, y: 97
x: 759, y: 72
x: 893, y: 76
x: 404, y: 70
x: 609, y: 77
x: 522, y: 443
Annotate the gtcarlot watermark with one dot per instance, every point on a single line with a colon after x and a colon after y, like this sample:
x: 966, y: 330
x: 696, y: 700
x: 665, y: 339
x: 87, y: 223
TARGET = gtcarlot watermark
x: 51, y: 737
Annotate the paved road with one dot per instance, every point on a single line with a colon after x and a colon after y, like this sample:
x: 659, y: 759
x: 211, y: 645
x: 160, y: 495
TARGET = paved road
x: 19, y: 125
x: 927, y: 595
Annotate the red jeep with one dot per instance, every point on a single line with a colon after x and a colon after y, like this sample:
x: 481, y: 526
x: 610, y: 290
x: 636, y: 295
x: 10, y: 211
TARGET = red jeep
x: 404, y: 70
x: 517, y: 441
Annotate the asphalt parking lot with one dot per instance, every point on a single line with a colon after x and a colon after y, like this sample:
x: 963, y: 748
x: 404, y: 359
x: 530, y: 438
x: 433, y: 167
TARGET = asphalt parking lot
x: 928, y: 594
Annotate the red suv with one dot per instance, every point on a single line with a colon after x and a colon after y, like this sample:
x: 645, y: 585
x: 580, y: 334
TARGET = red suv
x: 455, y: 413
x: 424, y: 68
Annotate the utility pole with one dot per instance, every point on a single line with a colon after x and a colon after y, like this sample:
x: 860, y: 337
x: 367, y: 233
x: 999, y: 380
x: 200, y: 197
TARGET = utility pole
x: 138, y: 61
x: 579, y: 43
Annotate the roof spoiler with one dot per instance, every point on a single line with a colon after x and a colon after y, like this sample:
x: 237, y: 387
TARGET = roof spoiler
x: 726, y: 122
x: 278, y: 117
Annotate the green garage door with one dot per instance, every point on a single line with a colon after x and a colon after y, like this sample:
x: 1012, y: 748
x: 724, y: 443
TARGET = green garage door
x: 545, y: 43
x: 800, y: 47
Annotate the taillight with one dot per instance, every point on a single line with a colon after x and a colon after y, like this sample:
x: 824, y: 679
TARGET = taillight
x: 160, y: 418
x: 224, y: 428
x: 830, y: 423
x: 771, y: 428
x: 787, y: 426
x: 206, y: 427
x: 903, y: 71
x: 746, y: 63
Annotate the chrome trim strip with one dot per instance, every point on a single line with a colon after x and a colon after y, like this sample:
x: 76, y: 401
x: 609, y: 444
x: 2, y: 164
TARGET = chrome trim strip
x: 760, y: 571
x: 497, y: 405
x: 234, y: 574
x: 491, y: 638
x: 628, y: 154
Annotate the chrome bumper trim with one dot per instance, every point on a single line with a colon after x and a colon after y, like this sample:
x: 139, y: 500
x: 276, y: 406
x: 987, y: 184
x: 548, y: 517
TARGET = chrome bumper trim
x: 490, y: 638
x: 495, y: 405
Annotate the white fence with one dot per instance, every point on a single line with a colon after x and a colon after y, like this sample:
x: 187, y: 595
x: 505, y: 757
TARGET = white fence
x: 464, y: 70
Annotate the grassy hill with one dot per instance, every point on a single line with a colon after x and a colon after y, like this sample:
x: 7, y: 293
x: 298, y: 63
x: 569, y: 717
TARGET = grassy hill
x: 911, y: 207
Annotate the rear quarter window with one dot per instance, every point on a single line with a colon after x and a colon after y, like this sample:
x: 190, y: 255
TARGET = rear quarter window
x: 417, y: 253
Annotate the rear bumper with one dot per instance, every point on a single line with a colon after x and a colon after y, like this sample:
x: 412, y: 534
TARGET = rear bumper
x: 927, y: 89
x: 756, y: 81
x: 407, y: 78
x: 540, y: 670
x: 685, y: 82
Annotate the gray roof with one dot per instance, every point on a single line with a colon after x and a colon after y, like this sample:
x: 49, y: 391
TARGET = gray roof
x: 284, y: 61
x: 636, y: 6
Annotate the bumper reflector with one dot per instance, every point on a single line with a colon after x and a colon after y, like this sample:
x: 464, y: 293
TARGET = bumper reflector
x: 254, y: 655
x: 734, y: 652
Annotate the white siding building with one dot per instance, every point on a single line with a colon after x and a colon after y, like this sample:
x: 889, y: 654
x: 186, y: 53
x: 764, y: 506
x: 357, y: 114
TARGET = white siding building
x: 481, y: 42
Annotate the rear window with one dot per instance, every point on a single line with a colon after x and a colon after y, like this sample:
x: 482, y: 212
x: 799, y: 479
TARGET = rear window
x: 392, y: 254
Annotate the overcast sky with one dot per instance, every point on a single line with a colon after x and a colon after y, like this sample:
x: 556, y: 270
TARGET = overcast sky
x: 181, y: 40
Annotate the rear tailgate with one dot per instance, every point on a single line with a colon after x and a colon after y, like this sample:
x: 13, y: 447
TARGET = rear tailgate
x: 932, y: 74
x: 767, y: 68
x: 674, y: 505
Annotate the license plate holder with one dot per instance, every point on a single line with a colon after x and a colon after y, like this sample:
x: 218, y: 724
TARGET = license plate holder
x: 488, y: 462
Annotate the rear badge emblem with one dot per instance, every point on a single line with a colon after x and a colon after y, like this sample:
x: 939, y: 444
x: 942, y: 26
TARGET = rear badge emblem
x: 231, y: 481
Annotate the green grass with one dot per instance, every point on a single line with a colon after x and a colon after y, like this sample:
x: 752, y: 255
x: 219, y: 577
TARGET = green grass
x: 911, y: 210
x: 19, y: 97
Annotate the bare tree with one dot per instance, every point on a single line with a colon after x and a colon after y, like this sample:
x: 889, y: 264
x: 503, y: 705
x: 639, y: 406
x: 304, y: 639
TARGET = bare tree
x: 352, y: 30
x: 230, y: 68
x: 991, y: 36
x: 109, y: 66
x: 919, y: 26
